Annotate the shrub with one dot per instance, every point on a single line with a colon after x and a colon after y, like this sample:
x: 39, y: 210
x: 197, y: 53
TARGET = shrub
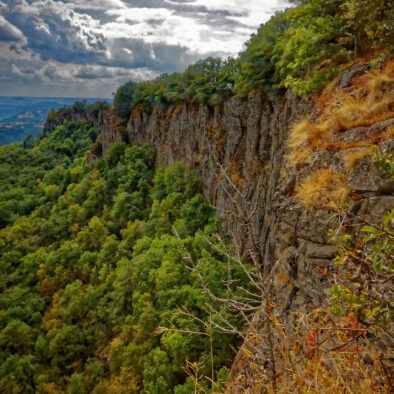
x: 79, y: 107
x: 366, y: 285
x: 52, y: 115
x: 124, y: 99
x: 115, y: 153
x: 317, y: 353
x: 303, y: 48
x: 287, y: 50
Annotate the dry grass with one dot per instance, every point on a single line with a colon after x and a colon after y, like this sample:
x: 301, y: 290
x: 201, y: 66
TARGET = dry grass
x: 323, y: 189
x: 352, y: 156
x: 299, y: 134
x: 377, y: 78
x: 364, y: 111
x: 370, y: 100
x: 390, y: 132
x: 315, y: 362
x: 318, y: 354
x: 300, y: 157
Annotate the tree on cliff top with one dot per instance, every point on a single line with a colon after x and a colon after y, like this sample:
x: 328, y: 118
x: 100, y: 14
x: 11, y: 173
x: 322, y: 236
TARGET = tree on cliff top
x: 124, y: 99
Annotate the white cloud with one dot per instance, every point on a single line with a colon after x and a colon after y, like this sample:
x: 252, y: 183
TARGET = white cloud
x: 79, y: 43
x: 163, y: 26
x: 96, y: 4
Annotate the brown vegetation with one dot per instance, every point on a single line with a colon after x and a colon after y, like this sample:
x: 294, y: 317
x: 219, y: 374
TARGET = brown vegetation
x: 352, y: 156
x: 318, y: 354
x: 368, y: 101
x: 372, y: 102
x: 323, y: 189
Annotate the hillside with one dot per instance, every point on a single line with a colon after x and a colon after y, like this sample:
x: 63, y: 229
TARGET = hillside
x: 227, y: 229
x: 23, y: 116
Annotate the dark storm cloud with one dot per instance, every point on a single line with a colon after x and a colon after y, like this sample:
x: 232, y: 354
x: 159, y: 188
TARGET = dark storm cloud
x: 56, y: 33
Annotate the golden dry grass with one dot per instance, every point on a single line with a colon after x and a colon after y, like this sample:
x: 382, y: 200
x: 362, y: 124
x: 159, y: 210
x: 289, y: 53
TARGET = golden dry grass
x: 299, y: 134
x: 318, y: 354
x: 311, y: 365
x: 352, y: 156
x: 390, y: 132
x: 364, y: 111
x: 323, y: 189
x: 300, y: 157
x: 369, y: 100
x: 376, y: 79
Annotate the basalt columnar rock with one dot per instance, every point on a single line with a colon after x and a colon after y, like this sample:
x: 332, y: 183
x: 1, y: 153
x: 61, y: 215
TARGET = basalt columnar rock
x: 239, y: 149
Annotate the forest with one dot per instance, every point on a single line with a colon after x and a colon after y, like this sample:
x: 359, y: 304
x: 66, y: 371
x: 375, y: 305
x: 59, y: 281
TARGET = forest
x: 92, y: 264
x: 114, y: 275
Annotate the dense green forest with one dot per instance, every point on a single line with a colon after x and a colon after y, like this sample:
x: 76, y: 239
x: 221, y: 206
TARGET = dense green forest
x: 93, y: 263
x: 301, y: 49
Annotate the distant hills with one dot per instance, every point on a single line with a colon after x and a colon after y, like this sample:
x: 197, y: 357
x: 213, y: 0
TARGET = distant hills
x: 21, y: 116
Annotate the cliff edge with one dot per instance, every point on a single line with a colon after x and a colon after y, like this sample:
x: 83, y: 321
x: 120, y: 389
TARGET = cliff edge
x: 276, y: 170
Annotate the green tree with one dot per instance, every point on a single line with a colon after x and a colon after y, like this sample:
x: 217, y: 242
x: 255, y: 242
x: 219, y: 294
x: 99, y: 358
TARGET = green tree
x: 124, y: 99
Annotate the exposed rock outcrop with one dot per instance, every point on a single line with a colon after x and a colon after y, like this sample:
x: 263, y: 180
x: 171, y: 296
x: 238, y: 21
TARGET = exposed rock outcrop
x: 97, y: 117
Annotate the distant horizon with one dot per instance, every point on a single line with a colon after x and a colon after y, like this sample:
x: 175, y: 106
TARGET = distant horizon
x: 15, y: 126
x: 62, y: 97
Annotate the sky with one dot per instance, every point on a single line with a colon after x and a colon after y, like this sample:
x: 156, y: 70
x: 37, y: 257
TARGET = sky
x: 88, y: 48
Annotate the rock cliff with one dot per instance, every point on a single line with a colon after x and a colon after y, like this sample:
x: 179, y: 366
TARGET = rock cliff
x: 240, y: 150
x: 97, y: 117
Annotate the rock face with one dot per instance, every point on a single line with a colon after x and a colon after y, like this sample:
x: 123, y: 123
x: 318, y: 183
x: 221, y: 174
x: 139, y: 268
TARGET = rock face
x: 239, y: 150
x: 95, y: 118
x: 245, y: 138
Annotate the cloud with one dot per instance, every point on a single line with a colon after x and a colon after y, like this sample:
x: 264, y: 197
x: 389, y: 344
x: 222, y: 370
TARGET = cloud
x: 56, y: 32
x: 103, y: 73
x: 96, y: 4
x: 95, y: 45
x: 9, y: 32
x: 61, y: 74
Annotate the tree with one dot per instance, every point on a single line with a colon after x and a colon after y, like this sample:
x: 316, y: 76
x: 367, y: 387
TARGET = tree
x: 29, y: 143
x: 124, y: 99
x: 370, y: 24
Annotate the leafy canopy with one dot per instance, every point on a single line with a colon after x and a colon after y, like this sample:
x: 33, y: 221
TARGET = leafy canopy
x: 299, y: 49
x: 92, y: 263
